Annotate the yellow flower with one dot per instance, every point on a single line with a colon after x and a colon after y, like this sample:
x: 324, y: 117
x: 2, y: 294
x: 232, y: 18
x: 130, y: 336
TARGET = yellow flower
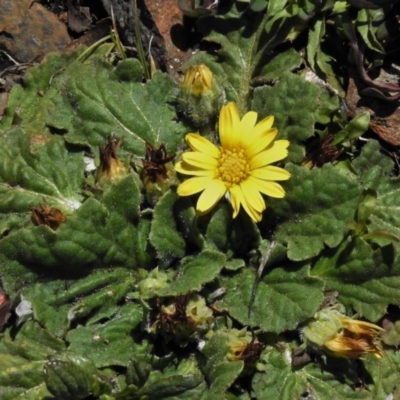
x: 240, y: 167
x: 341, y: 336
x: 198, y: 79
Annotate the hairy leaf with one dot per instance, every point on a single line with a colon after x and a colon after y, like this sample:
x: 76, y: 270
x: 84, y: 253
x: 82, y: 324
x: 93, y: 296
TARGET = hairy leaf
x: 316, y: 210
x: 283, y: 299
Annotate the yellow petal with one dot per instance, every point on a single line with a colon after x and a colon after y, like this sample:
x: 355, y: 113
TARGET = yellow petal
x: 212, y: 194
x: 276, y: 152
x: 360, y: 327
x: 206, y: 75
x: 251, y: 211
x: 255, y: 145
x: 235, y: 195
x: 193, y: 185
x: 271, y: 173
x: 252, y: 195
x: 184, y: 168
x: 247, y: 124
x: 229, y: 125
x: 263, y: 126
x: 202, y: 145
x: 200, y: 160
x: 271, y: 189
x: 238, y: 197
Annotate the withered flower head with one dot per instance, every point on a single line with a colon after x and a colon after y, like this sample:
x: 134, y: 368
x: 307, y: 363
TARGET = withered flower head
x: 175, y: 314
x: 322, y: 153
x: 46, y: 215
x: 240, y: 348
x: 186, y: 317
x: 154, y: 167
x: 110, y: 165
x: 340, y: 336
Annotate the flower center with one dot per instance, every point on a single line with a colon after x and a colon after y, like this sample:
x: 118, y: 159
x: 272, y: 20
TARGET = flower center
x: 233, y: 166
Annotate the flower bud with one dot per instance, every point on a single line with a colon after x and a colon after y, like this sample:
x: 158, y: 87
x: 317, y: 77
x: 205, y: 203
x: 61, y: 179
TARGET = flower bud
x: 111, y: 168
x: 154, y: 281
x: 198, y: 80
x: 200, y: 96
x: 340, y: 336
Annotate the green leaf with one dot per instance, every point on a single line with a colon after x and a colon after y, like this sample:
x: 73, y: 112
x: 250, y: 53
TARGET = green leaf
x: 358, y: 125
x: 110, y: 343
x: 367, y: 280
x: 278, y: 381
x: 69, y: 376
x: 335, y: 378
x: 292, y: 101
x: 316, y: 210
x: 183, y: 380
x: 385, y: 216
x: 171, y: 386
x: 235, y: 264
x: 281, y: 64
x: 258, y: 5
x: 101, y: 304
x: 354, y: 129
x: 319, y: 60
x: 241, y: 53
x: 129, y: 70
x: 284, y: 298
x: 328, y: 105
x: 195, y: 272
x: 101, y: 104
x: 186, y: 220
x: 142, y: 363
x: 23, y: 356
x: 372, y: 166
x: 164, y: 235
x: 367, y: 30
x: 374, y: 171
x: 392, y: 335
x: 219, y: 228
x: 52, y: 300
x: 30, y: 103
x: 381, y: 236
x: 89, y: 101
x: 315, y: 35
x: 385, y: 373
x: 34, y: 169
x: 96, y: 234
x: 219, y: 372
x: 274, y: 6
x: 366, y: 205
